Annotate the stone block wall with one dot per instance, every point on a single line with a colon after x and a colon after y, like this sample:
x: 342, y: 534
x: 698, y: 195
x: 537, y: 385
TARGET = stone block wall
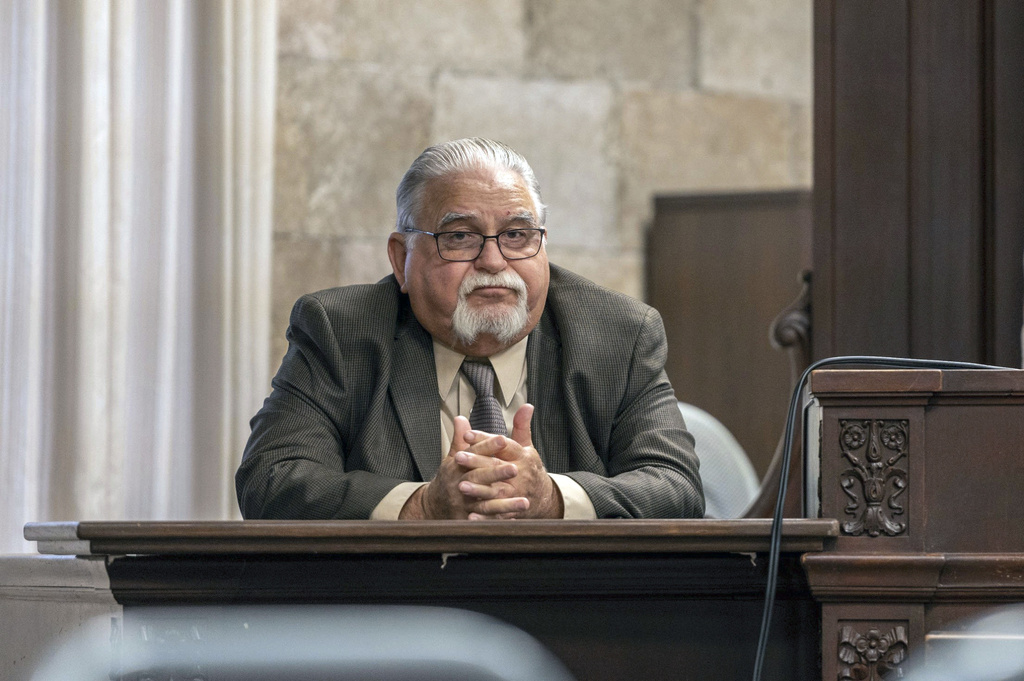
x: 612, y: 101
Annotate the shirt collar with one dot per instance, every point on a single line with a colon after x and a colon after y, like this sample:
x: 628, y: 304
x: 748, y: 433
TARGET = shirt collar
x: 509, y: 368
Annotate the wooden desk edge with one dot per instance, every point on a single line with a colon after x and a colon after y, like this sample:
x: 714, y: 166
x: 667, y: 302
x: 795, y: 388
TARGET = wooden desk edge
x: 1007, y: 381
x: 922, y: 577
x: 347, y: 537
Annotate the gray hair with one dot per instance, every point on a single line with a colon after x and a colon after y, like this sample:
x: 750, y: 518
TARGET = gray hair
x: 453, y: 158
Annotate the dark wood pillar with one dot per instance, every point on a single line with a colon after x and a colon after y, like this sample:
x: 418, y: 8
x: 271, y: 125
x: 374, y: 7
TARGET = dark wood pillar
x: 918, y: 237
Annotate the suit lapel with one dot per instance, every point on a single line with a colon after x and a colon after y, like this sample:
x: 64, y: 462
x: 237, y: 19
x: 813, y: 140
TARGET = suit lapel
x: 544, y: 391
x: 413, y: 389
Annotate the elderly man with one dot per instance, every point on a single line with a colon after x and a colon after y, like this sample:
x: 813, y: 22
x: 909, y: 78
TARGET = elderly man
x: 570, y: 413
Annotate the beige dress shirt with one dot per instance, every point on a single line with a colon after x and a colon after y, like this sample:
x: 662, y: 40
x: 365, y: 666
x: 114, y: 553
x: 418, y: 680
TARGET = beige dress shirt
x: 457, y: 398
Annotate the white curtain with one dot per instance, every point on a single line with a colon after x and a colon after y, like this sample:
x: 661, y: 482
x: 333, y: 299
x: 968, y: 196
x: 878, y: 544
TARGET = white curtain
x: 135, y: 185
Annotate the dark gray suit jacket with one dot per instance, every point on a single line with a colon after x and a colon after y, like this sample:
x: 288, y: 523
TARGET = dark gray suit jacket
x: 355, y: 410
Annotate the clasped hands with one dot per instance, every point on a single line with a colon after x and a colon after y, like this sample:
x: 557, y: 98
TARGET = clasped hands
x: 487, y: 477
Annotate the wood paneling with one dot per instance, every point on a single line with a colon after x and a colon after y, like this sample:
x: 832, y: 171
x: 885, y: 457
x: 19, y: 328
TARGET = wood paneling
x: 869, y: 240
x: 719, y: 269
x: 946, y: 189
x: 918, y: 179
x: 1004, y: 170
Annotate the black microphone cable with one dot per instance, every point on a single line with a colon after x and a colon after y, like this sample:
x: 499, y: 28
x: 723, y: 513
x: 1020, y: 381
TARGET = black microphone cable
x: 787, y: 447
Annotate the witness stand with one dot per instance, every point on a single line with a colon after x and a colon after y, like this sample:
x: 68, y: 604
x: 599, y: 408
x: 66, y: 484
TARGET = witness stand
x: 916, y: 497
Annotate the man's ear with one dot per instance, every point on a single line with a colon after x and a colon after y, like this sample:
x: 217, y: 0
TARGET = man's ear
x: 396, y: 254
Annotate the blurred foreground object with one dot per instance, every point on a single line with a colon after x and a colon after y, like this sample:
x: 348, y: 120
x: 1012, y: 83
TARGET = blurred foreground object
x: 383, y: 643
x: 990, y: 648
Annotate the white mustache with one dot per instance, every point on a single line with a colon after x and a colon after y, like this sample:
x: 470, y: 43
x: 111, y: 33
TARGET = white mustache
x: 504, y: 279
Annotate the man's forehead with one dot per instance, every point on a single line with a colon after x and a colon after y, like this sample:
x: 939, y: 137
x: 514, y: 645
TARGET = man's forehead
x: 469, y: 195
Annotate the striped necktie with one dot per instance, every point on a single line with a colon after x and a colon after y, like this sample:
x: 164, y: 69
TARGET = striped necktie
x: 486, y: 414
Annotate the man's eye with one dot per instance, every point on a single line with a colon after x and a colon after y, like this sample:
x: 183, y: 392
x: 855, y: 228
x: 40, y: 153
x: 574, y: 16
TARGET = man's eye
x: 514, y: 235
x: 459, y: 240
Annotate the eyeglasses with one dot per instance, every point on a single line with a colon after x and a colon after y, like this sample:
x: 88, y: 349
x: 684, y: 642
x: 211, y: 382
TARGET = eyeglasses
x: 514, y: 244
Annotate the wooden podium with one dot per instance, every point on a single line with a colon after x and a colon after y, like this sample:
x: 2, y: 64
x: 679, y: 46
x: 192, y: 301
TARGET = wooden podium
x: 919, y: 478
x: 924, y: 470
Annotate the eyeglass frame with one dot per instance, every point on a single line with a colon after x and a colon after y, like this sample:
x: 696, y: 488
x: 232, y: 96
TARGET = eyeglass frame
x: 483, y: 244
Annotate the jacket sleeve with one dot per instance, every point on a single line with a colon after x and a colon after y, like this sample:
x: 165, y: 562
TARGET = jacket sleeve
x: 294, y: 462
x: 652, y: 467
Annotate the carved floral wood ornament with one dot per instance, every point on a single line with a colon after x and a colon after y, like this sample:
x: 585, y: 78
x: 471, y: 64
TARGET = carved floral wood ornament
x: 877, y: 479
x: 872, y: 655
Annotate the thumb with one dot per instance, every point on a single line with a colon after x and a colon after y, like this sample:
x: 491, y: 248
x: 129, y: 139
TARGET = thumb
x: 459, y: 439
x: 521, y: 432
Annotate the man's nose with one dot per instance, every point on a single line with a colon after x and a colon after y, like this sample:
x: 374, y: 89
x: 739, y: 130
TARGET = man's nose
x: 491, y: 259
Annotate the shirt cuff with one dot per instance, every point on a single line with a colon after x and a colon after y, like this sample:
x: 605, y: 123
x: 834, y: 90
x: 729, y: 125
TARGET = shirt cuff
x: 393, y: 502
x: 575, y: 499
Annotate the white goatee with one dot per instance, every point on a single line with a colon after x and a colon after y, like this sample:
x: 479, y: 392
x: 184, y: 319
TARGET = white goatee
x: 504, y: 322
